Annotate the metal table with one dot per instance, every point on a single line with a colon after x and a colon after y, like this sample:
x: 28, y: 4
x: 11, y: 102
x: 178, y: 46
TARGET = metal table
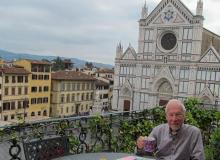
x: 99, y: 156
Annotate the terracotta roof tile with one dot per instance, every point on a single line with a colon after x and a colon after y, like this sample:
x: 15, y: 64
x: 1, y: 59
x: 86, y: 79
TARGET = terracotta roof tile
x: 101, y: 83
x: 38, y: 61
x: 71, y: 75
x: 14, y: 70
x: 106, y: 71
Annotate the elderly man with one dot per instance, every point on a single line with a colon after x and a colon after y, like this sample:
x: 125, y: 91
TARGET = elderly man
x: 176, y: 140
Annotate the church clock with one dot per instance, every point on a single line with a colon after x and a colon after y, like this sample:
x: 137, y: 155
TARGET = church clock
x: 168, y: 41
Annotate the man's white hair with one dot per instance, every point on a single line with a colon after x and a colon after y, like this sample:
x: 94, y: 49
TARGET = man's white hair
x: 177, y: 102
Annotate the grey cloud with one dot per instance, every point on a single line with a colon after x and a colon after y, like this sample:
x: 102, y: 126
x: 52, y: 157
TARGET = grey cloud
x: 80, y: 28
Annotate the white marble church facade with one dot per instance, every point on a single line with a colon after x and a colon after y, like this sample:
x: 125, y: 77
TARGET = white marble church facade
x: 176, y: 58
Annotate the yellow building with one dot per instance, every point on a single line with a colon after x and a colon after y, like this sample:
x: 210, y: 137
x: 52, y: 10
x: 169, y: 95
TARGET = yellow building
x: 1, y: 62
x: 72, y: 93
x: 14, y: 93
x: 39, y: 87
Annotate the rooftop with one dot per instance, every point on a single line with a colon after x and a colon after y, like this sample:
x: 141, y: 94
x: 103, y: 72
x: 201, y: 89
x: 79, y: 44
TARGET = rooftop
x: 14, y: 70
x: 71, y: 75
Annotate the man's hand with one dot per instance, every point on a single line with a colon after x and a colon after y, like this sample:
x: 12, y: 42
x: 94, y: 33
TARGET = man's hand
x: 140, y: 142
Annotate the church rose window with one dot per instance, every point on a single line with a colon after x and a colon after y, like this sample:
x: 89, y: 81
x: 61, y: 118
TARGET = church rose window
x: 168, y: 41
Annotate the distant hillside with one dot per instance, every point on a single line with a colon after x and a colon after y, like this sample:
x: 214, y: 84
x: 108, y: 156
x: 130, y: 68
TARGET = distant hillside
x: 9, y: 56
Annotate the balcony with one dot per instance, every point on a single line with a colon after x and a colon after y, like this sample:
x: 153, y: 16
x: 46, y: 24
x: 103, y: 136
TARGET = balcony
x: 111, y: 132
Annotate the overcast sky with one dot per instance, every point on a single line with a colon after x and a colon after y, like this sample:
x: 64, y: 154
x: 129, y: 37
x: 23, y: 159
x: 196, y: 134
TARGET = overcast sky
x: 84, y: 29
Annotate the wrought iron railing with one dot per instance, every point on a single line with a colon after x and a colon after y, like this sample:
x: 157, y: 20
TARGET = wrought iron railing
x: 106, y: 132
x: 85, y: 133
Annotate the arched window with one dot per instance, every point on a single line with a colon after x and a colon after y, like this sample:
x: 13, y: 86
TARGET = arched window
x: 32, y: 114
x: 45, y: 113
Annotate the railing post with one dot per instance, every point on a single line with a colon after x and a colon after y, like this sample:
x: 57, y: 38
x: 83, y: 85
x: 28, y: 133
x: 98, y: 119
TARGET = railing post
x: 14, y: 150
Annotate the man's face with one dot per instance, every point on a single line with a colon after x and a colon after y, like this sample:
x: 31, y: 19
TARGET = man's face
x: 175, y: 116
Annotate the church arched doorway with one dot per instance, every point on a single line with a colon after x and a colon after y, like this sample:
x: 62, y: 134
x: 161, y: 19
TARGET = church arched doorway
x: 127, y: 104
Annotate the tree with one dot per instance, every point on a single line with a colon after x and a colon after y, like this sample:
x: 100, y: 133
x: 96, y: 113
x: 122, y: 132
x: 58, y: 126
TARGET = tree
x: 58, y: 64
x: 89, y: 65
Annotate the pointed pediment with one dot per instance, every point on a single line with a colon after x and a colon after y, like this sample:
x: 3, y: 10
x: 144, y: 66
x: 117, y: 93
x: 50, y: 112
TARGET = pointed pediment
x: 169, y: 12
x: 210, y: 56
x: 179, y: 19
x: 129, y: 53
x: 158, y: 20
x: 126, y: 89
x: 206, y: 94
x: 164, y: 73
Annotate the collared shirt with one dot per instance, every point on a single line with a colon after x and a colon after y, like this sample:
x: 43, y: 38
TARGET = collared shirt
x: 186, y: 144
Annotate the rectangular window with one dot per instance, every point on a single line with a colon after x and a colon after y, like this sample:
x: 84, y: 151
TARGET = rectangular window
x: 78, y: 86
x: 62, y: 86
x: 62, y: 98
x: 33, y: 89
x: 12, y: 105
x: 13, y: 91
x: 217, y: 78
x: 187, y: 47
x: 199, y: 75
x: 40, y: 77
x: 183, y: 87
x: 73, y: 97
x: 146, y: 71
x: 6, y: 91
x: 19, y: 104
x: 144, y: 101
x: 13, y: 79
x: 83, y: 86
x: 45, y: 100
x: 68, y: 87
x: 149, y: 34
x: 213, y: 76
x: 26, y: 79
x: 47, y: 68
x: 184, y: 74
x: 20, y: 79
x: 40, y: 68
x: 73, y: 87
x: 39, y: 100
x: 148, y: 47
x: 33, y: 100
x: 34, y: 77
x: 6, y: 106
x: 187, y: 33
x: 25, y: 90
x: 145, y: 83
x: 33, y: 68
x: 203, y: 75
x: 12, y: 116
x: 46, y: 77
x: 217, y: 90
x: 46, y: 88
x: 121, y: 80
x: 19, y: 90
x: 6, y: 79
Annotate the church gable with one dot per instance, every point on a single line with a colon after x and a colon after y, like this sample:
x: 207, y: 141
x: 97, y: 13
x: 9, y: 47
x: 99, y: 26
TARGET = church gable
x: 164, y: 73
x: 130, y: 54
x: 206, y: 93
x: 170, y: 11
x: 210, y: 56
